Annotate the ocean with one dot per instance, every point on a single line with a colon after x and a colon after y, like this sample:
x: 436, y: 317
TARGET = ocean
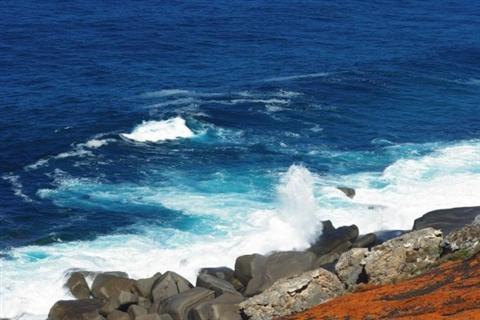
x: 149, y: 136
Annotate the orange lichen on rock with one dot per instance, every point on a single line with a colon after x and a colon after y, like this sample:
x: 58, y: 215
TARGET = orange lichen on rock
x: 451, y: 291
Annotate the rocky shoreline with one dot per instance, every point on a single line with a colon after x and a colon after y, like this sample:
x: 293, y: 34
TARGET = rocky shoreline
x: 262, y: 287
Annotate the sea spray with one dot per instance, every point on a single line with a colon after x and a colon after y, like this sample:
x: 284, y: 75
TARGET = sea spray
x: 155, y: 131
x: 297, y: 201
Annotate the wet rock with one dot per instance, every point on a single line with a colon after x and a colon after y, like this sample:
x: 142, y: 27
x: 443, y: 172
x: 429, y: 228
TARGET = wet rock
x: 223, y: 273
x: 78, y: 286
x: 293, y: 295
x: 265, y: 270
x: 219, y: 286
x: 349, y: 192
x: 179, y: 306
x: 404, y: 257
x: 226, y: 274
x: 144, y: 286
x: 108, y: 286
x: 365, y: 241
x: 447, y: 220
x: 225, y: 307
x: 350, y: 266
x: 120, y: 301
x: 248, y: 266
x: 83, y: 309
x: 334, y: 240
x: 118, y: 315
x: 169, y: 284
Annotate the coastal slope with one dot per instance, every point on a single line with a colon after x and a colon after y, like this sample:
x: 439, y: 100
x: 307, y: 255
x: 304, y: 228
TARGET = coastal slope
x: 450, y: 291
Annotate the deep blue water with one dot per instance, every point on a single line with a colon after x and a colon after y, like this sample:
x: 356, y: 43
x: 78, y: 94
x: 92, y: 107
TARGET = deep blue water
x: 357, y: 93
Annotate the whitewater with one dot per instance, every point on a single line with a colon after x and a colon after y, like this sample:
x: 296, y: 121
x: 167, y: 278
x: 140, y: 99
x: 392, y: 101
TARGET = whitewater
x: 390, y: 199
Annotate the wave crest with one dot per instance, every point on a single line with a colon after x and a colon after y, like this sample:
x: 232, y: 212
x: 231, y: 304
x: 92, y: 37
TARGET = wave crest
x: 155, y: 131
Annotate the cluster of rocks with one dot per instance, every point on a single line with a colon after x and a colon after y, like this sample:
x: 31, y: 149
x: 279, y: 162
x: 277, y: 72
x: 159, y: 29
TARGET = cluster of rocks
x: 269, y: 286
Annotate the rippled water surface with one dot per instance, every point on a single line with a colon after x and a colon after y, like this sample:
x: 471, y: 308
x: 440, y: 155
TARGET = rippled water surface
x: 148, y: 136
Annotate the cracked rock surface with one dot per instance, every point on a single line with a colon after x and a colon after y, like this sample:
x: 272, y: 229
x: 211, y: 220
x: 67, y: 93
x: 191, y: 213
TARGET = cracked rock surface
x: 295, y: 294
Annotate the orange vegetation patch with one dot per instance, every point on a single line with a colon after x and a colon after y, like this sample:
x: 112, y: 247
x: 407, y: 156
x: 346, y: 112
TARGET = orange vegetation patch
x: 451, y: 291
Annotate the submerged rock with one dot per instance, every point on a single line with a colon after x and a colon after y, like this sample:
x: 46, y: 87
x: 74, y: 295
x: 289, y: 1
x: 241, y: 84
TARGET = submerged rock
x: 403, y: 257
x: 292, y: 295
x: 349, y: 192
x: 447, y: 220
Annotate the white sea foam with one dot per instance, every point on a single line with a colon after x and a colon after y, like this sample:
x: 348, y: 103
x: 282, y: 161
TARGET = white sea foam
x: 37, y: 164
x: 78, y: 150
x: 265, y: 101
x: 180, y: 92
x: 408, y: 188
x: 155, y: 131
x: 97, y: 143
x: 298, y: 77
x: 17, y: 187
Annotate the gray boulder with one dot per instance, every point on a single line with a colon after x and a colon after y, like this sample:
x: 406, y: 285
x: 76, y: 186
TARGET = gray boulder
x: 121, y: 301
x: 350, y: 266
x: 223, y: 273
x: 219, y: 286
x: 78, y: 286
x: 249, y: 266
x: 134, y: 311
x: 404, y: 257
x: 447, y: 220
x: 83, y: 309
x: 118, y: 315
x: 224, y: 307
x: 107, y: 286
x: 265, y: 270
x: 293, y: 295
x: 169, y: 284
x: 334, y: 240
x: 349, y: 192
x: 144, y: 286
x: 179, y: 306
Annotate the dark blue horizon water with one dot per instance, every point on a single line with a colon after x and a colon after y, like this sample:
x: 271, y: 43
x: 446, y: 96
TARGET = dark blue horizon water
x: 364, y: 94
